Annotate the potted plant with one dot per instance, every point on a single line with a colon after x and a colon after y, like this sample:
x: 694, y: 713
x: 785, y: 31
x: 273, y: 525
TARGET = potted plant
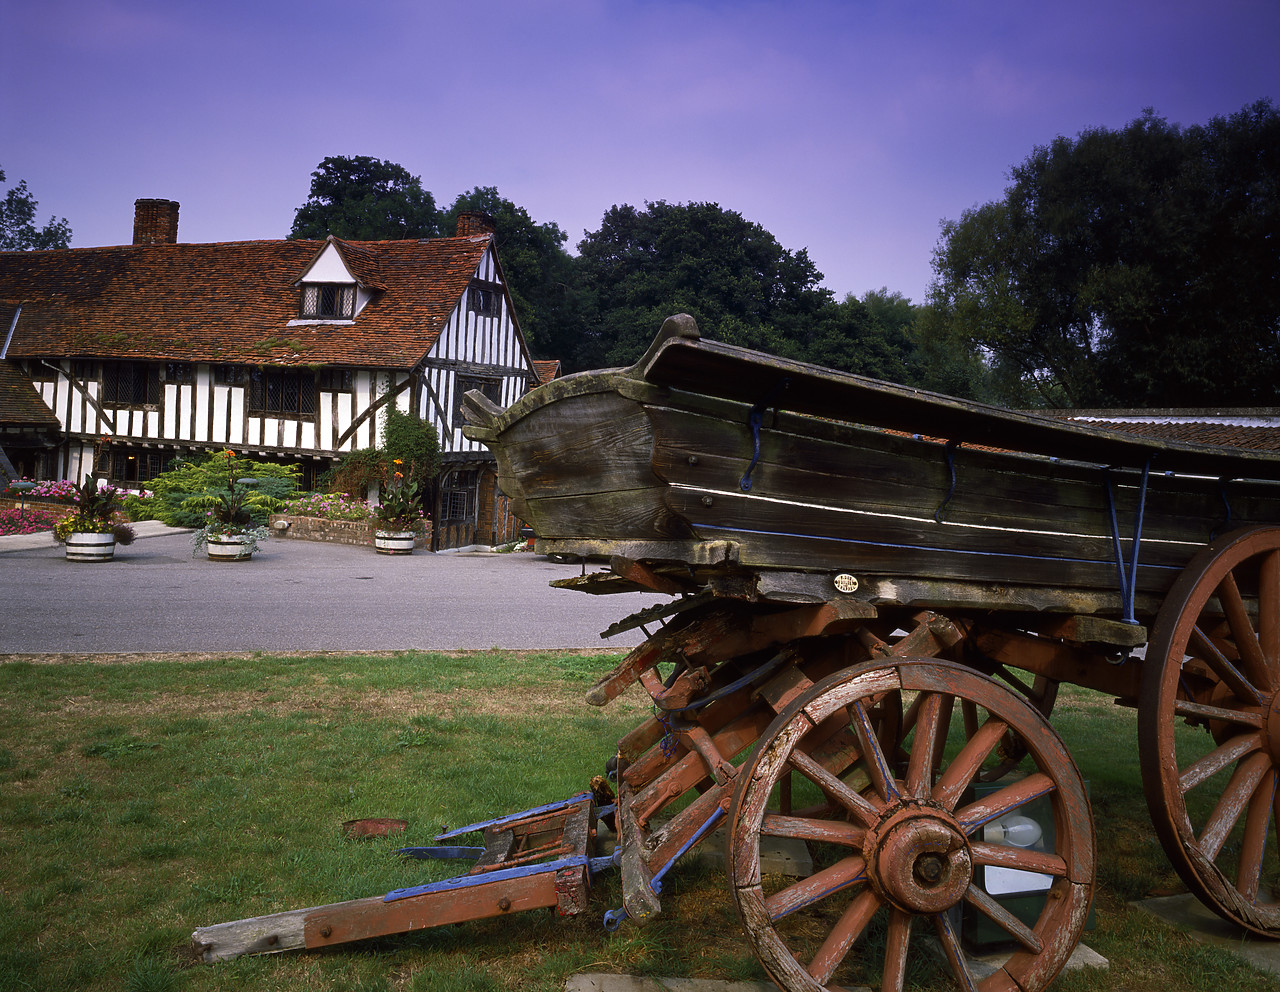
x: 398, y: 515
x: 230, y: 534
x: 92, y: 531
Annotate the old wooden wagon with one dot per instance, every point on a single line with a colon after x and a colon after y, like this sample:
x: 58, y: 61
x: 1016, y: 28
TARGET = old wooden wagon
x: 874, y: 594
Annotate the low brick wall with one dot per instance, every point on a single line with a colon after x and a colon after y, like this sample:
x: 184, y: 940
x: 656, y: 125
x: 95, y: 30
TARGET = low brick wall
x: 335, y: 531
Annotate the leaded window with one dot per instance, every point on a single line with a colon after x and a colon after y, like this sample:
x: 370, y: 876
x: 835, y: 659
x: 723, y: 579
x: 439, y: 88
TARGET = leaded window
x: 281, y: 393
x: 135, y: 465
x: 230, y: 375
x: 338, y: 380
x: 328, y: 301
x: 131, y: 383
x: 458, y: 495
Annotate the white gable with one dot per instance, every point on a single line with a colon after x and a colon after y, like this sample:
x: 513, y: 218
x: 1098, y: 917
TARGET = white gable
x: 328, y: 268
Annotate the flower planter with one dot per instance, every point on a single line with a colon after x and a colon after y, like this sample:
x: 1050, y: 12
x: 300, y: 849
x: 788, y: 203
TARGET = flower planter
x: 393, y: 542
x: 90, y: 547
x: 228, y: 547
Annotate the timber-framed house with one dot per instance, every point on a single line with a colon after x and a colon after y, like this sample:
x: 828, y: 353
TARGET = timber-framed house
x: 288, y: 351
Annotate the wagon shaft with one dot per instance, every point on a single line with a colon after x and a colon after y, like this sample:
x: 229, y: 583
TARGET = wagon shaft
x: 531, y: 860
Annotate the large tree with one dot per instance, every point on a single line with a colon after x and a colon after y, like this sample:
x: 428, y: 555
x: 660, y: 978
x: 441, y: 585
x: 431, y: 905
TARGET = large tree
x: 1134, y: 267
x: 18, y: 231
x: 366, y: 199
x: 730, y: 274
x: 537, y: 267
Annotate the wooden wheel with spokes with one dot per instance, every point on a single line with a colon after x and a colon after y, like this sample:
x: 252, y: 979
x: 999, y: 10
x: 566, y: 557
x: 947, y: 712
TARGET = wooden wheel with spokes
x: 1209, y: 727
x: 894, y: 844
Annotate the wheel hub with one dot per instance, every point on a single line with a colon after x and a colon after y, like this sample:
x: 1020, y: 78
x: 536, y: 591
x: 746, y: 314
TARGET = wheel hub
x: 918, y: 858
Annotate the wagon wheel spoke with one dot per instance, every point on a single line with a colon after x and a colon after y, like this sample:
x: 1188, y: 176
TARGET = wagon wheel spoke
x: 867, y: 811
x: 1011, y: 797
x: 1265, y: 800
x: 1229, y: 673
x: 964, y: 768
x: 950, y: 941
x: 923, y: 761
x: 901, y: 852
x: 1214, y: 660
x: 1008, y: 856
x: 1269, y: 618
x: 853, y: 922
x: 1232, y: 803
x: 1242, y: 631
x: 1004, y: 919
x: 820, y: 885
x: 897, y: 943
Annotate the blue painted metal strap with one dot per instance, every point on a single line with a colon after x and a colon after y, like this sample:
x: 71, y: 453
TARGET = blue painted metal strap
x: 734, y: 686
x: 500, y: 875
x: 656, y: 882
x: 515, y: 817
x: 1127, y: 571
x: 755, y: 419
x: 940, y: 514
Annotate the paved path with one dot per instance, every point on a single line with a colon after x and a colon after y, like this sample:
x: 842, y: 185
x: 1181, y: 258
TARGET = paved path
x: 293, y: 596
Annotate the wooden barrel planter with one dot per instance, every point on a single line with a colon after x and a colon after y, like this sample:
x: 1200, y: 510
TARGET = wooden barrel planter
x: 394, y: 542
x: 90, y: 547
x: 229, y: 547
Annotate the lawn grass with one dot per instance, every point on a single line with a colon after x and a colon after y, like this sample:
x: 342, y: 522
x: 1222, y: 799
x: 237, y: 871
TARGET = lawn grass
x: 140, y: 800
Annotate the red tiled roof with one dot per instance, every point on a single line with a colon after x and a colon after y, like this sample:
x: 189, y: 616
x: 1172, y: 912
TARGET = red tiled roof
x: 20, y: 404
x: 232, y: 302
x: 547, y: 369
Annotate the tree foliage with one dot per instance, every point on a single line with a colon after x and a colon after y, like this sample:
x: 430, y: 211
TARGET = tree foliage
x: 18, y: 231
x: 730, y: 274
x: 1134, y: 267
x: 366, y: 199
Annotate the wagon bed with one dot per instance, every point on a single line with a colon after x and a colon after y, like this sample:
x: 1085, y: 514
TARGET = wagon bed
x: 712, y: 457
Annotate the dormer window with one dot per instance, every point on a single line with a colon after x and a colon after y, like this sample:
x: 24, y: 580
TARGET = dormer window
x: 328, y: 301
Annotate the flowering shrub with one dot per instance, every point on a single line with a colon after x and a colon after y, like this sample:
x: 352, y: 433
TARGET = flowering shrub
x: 64, y: 490
x: 32, y: 520
x: 329, y: 506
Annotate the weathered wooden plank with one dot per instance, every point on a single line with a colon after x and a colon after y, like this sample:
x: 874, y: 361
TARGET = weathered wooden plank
x: 871, y: 470
x: 713, y: 514
x: 870, y: 557
x: 638, y: 514
x: 713, y: 368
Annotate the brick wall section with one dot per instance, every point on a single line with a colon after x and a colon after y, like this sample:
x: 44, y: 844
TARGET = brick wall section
x: 358, y: 532
x: 32, y: 504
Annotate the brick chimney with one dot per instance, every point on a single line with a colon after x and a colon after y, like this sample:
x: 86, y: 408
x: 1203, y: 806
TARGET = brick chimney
x: 473, y: 224
x: 155, y: 222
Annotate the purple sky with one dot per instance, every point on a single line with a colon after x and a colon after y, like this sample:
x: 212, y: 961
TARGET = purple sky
x: 845, y: 127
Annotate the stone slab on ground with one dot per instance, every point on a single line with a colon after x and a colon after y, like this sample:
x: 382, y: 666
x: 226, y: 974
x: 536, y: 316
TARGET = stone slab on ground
x: 1187, y: 912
